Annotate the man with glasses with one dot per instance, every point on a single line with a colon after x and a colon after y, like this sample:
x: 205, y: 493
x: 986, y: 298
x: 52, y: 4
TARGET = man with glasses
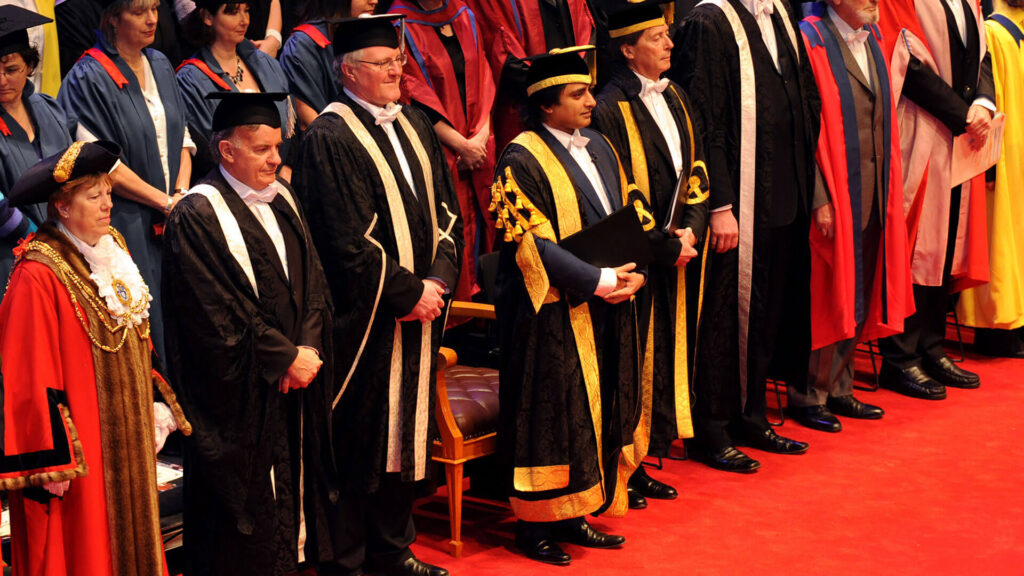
x: 384, y: 217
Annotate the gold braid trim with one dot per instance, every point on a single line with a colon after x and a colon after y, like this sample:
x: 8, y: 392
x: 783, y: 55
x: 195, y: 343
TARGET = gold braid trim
x: 66, y: 164
x: 70, y: 279
x: 559, y: 508
x: 171, y: 399
x: 540, y: 478
x: 81, y: 469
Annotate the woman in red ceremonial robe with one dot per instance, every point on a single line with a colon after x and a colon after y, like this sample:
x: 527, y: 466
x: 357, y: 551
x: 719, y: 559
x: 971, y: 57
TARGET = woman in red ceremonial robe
x: 80, y: 426
x: 447, y: 75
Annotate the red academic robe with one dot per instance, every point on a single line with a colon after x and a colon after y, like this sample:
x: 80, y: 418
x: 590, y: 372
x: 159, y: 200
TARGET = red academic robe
x: 429, y: 79
x: 513, y: 28
x: 927, y: 151
x: 833, y: 265
x: 39, y: 328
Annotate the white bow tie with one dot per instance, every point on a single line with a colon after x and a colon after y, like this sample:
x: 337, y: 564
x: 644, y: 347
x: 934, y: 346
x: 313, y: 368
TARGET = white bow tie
x: 857, y: 37
x: 576, y: 140
x: 652, y: 87
x: 387, y: 114
x: 266, y: 195
x: 764, y: 7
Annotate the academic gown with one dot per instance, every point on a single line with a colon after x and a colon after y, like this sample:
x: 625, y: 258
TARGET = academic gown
x: 623, y: 117
x: 836, y: 282
x: 515, y: 29
x: 103, y: 95
x: 377, y: 245
x: 307, y: 59
x: 1000, y: 303
x: 256, y: 452
x: 17, y: 154
x: 569, y: 365
x: 431, y: 80
x: 761, y: 136
x: 201, y: 74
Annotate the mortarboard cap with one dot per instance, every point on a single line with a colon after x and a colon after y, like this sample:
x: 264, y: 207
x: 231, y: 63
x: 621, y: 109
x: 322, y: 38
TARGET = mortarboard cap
x: 560, y: 66
x: 353, y: 34
x: 245, y: 108
x: 213, y: 5
x: 625, y: 18
x: 14, y: 24
x: 39, y: 182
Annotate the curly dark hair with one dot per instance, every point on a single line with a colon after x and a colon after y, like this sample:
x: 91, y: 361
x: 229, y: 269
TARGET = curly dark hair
x: 543, y: 98
x: 30, y: 55
x: 197, y: 32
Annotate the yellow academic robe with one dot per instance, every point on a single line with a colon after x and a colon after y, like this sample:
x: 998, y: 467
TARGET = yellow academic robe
x: 1000, y: 303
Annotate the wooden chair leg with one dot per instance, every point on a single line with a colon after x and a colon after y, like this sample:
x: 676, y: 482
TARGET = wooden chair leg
x: 453, y: 472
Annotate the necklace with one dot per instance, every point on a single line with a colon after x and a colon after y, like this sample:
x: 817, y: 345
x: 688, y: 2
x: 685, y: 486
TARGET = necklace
x: 237, y: 78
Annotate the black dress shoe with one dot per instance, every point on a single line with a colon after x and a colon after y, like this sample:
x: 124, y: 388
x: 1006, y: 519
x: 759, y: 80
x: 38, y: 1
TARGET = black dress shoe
x: 850, y: 407
x: 815, y: 417
x: 769, y: 441
x: 649, y: 487
x: 912, y: 381
x: 413, y: 566
x: 636, y: 499
x: 945, y: 372
x: 998, y: 343
x: 547, y: 551
x: 728, y: 459
x: 581, y: 533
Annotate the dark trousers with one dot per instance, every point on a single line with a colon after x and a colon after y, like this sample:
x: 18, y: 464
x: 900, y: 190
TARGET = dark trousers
x: 779, y: 335
x: 924, y: 331
x: 375, y: 529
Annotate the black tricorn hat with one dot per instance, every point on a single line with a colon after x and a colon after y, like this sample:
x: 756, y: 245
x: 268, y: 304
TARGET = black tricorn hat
x: 353, y: 34
x: 39, y: 182
x: 559, y: 66
x: 625, y: 18
x: 14, y: 24
x: 244, y: 108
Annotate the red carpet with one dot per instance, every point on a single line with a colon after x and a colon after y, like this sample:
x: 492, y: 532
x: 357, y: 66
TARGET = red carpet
x: 933, y: 488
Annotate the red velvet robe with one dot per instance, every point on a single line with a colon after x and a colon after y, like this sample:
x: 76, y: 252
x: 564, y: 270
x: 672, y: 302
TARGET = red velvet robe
x: 833, y: 274
x: 429, y: 79
x: 39, y: 328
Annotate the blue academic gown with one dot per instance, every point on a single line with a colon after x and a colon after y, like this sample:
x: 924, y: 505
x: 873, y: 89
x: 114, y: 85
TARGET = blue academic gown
x: 308, y: 68
x: 93, y: 98
x: 17, y: 154
x: 195, y: 85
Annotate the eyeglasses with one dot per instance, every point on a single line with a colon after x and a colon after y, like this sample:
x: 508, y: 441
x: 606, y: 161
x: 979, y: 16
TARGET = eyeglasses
x: 12, y: 71
x: 385, y: 65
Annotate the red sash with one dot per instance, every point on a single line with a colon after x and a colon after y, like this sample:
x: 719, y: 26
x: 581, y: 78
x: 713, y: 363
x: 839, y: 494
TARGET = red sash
x: 206, y: 70
x: 314, y: 33
x: 108, y: 65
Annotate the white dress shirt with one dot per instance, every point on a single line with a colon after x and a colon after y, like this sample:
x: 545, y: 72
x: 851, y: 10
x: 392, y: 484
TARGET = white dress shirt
x: 653, y: 98
x: 762, y: 11
x: 385, y: 119
x: 856, y: 41
x: 576, y: 144
x: 258, y: 202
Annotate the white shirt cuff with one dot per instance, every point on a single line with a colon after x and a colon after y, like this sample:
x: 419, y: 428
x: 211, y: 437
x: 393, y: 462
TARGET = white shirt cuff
x: 984, y: 102
x: 722, y: 208
x: 188, y: 144
x: 609, y: 280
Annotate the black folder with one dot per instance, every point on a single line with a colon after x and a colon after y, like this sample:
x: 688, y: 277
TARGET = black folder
x: 613, y: 241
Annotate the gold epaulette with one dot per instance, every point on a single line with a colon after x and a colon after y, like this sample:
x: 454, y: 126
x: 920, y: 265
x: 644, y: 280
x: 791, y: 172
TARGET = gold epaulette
x: 514, y: 212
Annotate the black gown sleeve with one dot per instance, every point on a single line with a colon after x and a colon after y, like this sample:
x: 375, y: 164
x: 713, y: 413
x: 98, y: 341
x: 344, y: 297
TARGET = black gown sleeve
x: 929, y: 91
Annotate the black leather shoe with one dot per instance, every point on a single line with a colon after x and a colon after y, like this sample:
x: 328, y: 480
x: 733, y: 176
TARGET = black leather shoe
x: 728, y: 459
x: 547, y: 551
x: 815, y: 417
x: 945, y: 372
x: 636, y: 499
x: 581, y: 533
x: 413, y: 566
x: 649, y: 487
x: 911, y: 381
x: 850, y: 407
x: 769, y: 441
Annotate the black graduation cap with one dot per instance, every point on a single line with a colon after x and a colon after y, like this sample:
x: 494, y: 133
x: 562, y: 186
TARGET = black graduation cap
x: 39, y: 182
x: 213, y: 5
x: 14, y: 24
x: 353, y: 34
x: 560, y: 66
x: 625, y: 18
x: 244, y: 108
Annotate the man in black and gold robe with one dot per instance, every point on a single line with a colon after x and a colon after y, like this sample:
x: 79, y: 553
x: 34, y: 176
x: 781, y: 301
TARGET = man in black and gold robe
x: 568, y: 365
x: 384, y: 217
x: 647, y: 119
x: 248, y: 331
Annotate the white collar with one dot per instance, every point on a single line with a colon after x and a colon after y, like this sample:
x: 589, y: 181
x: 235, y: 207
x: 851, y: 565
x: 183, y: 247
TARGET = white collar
x: 566, y: 139
x: 645, y: 81
x: 243, y: 190
x: 752, y: 5
x: 371, y: 108
x: 841, y: 25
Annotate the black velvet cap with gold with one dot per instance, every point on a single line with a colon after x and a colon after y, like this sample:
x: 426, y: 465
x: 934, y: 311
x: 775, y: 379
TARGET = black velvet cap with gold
x: 353, y: 34
x: 39, y: 182
x: 246, y: 108
x: 625, y: 18
x: 560, y: 66
x: 14, y: 24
